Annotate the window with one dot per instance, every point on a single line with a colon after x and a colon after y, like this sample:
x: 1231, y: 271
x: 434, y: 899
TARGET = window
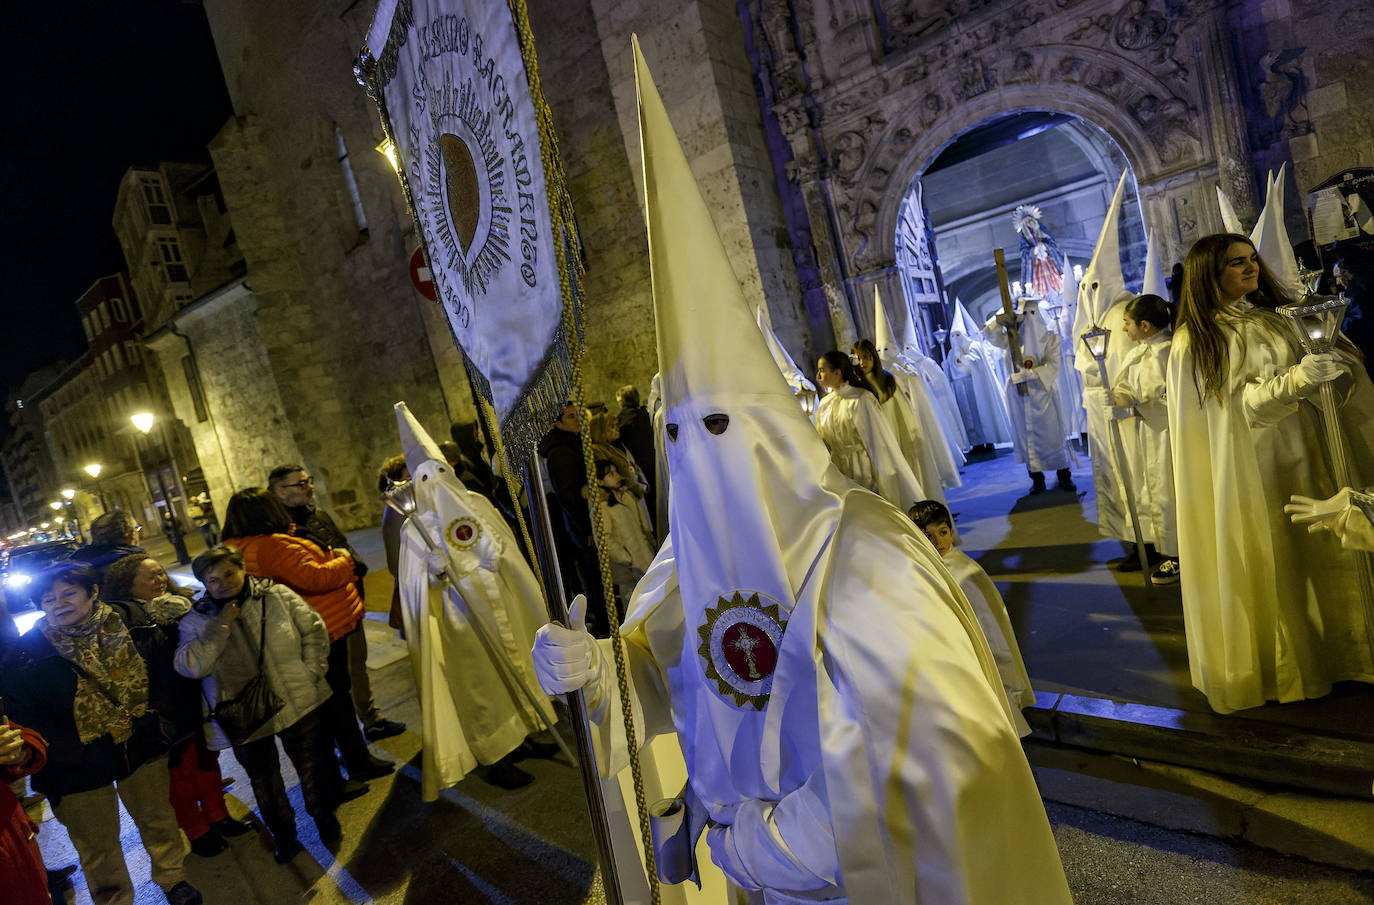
x: 349, y: 181
x: 117, y: 305
x: 118, y: 356
x: 158, y: 211
x: 171, y: 256
x: 86, y: 325
x: 193, y: 384
x: 131, y: 352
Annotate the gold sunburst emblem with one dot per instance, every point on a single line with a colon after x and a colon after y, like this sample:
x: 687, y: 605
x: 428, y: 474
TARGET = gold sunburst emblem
x: 464, y: 533
x: 740, y: 643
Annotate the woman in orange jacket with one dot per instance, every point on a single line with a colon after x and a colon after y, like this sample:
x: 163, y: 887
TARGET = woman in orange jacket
x: 22, y: 751
x: 256, y: 523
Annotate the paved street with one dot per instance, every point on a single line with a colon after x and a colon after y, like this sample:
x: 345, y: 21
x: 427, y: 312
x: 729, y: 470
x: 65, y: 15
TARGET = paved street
x: 1082, y: 627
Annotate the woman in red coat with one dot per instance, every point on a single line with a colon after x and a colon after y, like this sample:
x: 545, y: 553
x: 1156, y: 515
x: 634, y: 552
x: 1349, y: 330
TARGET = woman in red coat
x: 22, y: 751
x: 257, y: 523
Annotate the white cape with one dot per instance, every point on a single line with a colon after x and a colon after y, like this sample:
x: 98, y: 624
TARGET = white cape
x: 864, y: 448
x: 1037, y: 418
x: 1113, y: 518
x: 1271, y: 612
x: 1143, y: 381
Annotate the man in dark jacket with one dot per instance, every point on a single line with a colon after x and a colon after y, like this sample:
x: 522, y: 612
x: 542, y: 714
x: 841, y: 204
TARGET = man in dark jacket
x: 114, y: 535
x: 637, y: 435
x: 295, y: 488
x: 561, y: 448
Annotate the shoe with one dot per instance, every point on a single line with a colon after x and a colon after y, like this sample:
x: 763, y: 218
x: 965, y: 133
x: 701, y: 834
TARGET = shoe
x: 1167, y: 573
x: 352, y: 789
x: 183, y: 894
x: 1037, y: 482
x: 372, y: 768
x: 383, y: 728
x: 1066, y: 480
x: 230, y: 827
x: 506, y: 775
x: 1128, y: 564
x: 531, y: 748
x: 286, y: 850
x: 329, y: 829
x: 209, y: 844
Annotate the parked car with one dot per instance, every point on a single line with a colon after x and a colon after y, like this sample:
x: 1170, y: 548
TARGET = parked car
x: 26, y: 562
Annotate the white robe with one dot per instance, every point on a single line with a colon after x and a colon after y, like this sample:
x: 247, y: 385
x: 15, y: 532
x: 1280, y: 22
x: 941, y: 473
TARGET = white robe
x: 1142, y: 384
x: 937, y: 453
x: 469, y: 713
x: 1037, y: 420
x: 864, y: 448
x: 918, y: 793
x: 991, y: 611
x: 942, y: 395
x: 1271, y: 612
x: 983, y: 408
x: 1113, y: 518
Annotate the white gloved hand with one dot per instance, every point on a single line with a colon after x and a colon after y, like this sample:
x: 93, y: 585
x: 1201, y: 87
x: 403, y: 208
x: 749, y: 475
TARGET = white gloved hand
x: 436, y: 563
x: 1318, y: 515
x: 567, y: 659
x: 1315, y: 369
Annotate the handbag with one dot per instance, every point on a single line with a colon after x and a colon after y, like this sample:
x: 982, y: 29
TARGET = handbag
x: 255, y: 704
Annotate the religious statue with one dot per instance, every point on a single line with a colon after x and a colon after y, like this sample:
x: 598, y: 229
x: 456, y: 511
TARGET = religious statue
x: 1042, y: 263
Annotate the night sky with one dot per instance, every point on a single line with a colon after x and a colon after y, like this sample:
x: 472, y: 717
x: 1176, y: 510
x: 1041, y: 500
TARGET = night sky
x: 94, y: 87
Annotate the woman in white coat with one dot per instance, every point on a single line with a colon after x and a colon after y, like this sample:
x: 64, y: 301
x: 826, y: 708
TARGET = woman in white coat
x: 1272, y: 612
x: 856, y: 432
x: 918, y: 445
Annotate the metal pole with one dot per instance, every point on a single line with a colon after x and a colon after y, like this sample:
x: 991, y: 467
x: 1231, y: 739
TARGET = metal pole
x: 547, y: 558
x: 178, y: 540
x: 1124, y: 471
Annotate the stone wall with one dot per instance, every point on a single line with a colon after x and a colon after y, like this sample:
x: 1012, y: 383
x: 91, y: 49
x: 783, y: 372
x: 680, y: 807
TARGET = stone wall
x: 344, y: 333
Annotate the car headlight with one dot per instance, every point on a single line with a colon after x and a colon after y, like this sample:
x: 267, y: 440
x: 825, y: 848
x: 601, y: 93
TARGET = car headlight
x: 16, y: 580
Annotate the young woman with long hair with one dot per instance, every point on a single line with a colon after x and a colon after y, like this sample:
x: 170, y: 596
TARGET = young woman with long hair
x: 856, y: 432
x: 1271, y: 611
x: 920, y: 447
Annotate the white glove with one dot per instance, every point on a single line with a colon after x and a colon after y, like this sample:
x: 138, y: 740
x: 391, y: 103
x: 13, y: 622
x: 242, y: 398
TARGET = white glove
x: 1318, y: 515
x: 1315, y: 369
x: 567, y: 659
x: 436, y: 563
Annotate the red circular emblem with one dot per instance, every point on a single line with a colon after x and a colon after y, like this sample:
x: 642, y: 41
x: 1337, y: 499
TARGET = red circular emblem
x: 749, y: 652
x: 463, y: 533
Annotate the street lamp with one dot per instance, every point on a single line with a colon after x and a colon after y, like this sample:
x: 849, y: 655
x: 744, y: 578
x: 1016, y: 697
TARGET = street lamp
x: 144, y: 422
x: 94, y: 470
x: 1096, y: 340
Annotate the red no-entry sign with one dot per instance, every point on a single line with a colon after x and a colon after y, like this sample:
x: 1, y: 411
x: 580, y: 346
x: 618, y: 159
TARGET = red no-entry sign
x: 420, y: 277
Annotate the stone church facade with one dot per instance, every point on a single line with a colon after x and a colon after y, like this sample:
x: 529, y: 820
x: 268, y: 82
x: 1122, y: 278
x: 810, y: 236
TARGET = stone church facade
x: 808, y: 124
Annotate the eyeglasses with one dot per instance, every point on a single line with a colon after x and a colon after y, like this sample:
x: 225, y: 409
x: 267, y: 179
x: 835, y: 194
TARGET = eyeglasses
x: 308, y: 482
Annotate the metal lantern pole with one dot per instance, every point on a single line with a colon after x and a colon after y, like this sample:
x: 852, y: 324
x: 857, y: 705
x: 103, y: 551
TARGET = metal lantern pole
x: 1317, y: 320
x: 1098, y: 350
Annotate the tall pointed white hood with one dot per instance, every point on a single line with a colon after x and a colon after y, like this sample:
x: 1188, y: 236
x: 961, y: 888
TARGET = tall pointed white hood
x: 795, y: 377
x: 1103, y: 281
x: 1154, y: 283
x: 1229, y: 221
x: 755, y: 498
x: 883, y: 340
x: 1271, y: 238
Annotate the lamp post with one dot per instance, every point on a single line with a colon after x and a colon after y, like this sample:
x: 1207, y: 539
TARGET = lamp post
x: 68, y: 495
x: 94, y: 470
x: 144, y: 422
x: 1096, y: 341
x: 1317, y: 320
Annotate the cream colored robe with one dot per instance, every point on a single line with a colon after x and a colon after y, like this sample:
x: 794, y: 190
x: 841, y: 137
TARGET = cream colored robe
x: 1272, y: 613
x: 864, y: 448
x: 1142, y: 384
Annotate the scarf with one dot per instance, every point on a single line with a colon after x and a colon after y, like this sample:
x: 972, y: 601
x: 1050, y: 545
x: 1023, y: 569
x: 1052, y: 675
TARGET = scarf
x: 112, y: 679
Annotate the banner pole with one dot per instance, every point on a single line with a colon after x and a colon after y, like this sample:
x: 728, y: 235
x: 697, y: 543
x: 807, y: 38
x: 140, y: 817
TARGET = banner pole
x: 547, y: 559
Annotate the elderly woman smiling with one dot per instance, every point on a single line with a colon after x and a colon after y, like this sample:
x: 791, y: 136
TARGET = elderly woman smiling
x: 96, y: 681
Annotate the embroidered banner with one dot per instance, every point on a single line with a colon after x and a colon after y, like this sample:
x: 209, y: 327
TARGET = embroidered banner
x: 450, y: 80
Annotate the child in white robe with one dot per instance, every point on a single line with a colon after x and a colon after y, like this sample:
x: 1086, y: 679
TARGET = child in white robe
x: 934, y: 520
x: 1141, y: 384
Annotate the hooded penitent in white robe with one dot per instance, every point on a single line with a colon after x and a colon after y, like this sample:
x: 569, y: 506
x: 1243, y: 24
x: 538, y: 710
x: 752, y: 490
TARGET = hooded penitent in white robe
x: 1142, y: 384
x: 913, y: 419
x: 470, y: 714
x: 969, y: 365
x: 991, y: 611
x: 864, y: 447
x: 1037, y: 418
x: 838, y: 708
x: 1102, y: 299
x: 1272, y: 612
